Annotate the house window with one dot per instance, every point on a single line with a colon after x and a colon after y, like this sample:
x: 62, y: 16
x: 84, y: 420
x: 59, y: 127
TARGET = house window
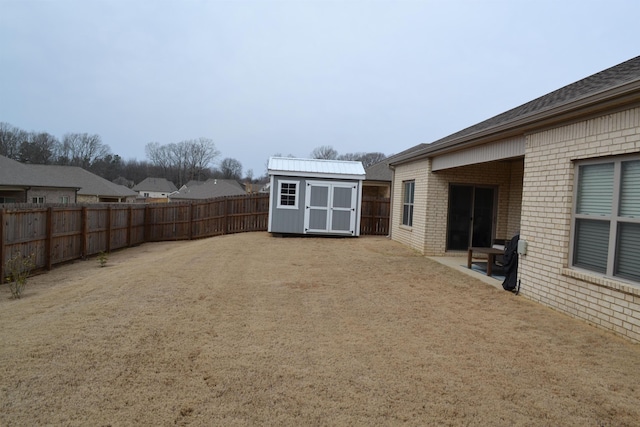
x: 288, y: 194
x: 64, y: 200
x: 38, y: 200
x: 146, y: 195
x: 408, y: 190
x: 606, y: 219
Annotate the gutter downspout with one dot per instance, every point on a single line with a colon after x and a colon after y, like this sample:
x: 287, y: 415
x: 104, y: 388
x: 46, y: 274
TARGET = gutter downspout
x: 393, y: 184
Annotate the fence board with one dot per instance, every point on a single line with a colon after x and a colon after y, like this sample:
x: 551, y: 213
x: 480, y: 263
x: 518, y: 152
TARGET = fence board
x: 374, y: 216
x: 63, y: 233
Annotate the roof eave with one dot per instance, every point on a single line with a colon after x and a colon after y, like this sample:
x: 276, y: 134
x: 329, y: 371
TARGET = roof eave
x: 623, y: 95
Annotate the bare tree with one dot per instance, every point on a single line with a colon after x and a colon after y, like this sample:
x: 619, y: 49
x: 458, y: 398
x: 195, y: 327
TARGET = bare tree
x: 325, y: 152
x: 82, y: 149
x: 200, y: 155
x: 109, y: 167
x: 158, y: 155
x: 367, y: 159
x: 183, y: 161
x: 137, y: 170
x: 11, y: 138
x: 370, y: 159
x: 231, y: 169
x: 38, y: 148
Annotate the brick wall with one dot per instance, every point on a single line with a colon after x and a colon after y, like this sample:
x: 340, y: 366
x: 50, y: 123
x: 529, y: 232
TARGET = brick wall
x: 505, y: 176
x: 546, y: 222
x: 414, y: 236
x: 429, y: 232
x: 51, y: 195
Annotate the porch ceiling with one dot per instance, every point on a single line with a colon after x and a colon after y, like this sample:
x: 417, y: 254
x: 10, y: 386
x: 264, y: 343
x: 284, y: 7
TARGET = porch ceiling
x: 500, y: 150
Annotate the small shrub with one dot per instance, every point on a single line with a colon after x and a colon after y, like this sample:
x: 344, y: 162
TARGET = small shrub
x: 102, y: 259
x: 18, y: 268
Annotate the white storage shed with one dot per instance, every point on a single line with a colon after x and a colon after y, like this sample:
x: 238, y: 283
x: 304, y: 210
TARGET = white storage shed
x: 311, y: 196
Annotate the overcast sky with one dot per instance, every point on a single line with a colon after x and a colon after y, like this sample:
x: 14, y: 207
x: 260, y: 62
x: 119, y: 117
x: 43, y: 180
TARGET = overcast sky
x: 265, y: 77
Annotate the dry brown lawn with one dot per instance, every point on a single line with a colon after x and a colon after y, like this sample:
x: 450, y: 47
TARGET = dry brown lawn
x: 251, y: 329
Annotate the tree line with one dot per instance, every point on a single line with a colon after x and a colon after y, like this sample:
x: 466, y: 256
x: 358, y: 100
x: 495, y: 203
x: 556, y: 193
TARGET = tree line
x: 178, y: 162
x: 327, y: 152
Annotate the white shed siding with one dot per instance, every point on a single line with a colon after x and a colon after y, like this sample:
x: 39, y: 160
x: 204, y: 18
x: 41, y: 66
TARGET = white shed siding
x: 311, y: 176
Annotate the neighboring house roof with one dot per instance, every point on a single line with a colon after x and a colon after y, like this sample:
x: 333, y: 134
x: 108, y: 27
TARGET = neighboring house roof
x: 90, y: 184
x: 13, y: 173
x: 193, y: 183
x: 379, y: 172
x: 159, y: 185
x: 316, y: 167
x: 210, y: 189
x: 610, y: 88
x: 16, y: 174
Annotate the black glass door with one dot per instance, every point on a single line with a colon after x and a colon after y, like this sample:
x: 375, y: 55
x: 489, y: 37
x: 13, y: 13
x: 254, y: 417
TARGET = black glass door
x: 470, y: 217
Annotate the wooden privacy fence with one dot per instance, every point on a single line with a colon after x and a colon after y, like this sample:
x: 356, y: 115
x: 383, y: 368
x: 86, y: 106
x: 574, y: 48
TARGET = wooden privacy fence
x: 374, y: 216
x: 63, y: 233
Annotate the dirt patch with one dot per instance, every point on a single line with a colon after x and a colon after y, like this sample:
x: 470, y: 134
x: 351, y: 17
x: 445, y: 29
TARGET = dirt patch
x: 253, y: 329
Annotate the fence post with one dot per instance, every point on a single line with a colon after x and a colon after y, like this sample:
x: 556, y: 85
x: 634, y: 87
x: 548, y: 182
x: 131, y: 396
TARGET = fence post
x: 129, y: 225
x: 2, y: 239
x: 191, y: 221
x: 109, y: 210
x: 147, y: 223
x: 84, y: 224
x: 48, y: 246
x: 224, y: 215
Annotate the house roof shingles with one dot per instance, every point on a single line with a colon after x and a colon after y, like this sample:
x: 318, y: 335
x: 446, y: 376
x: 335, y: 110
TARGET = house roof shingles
x: 209, y: 189
x: 379, y: 172
x: 13, y: 173
x: 89, y: 183
x: 160, y: 185
x: 617, y: 76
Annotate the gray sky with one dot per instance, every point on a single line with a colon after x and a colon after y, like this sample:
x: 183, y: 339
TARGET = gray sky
x: 264, y: 77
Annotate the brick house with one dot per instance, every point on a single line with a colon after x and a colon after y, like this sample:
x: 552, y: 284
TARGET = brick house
x: 92, y: 188
x: 155, y: 189
x: 210, y: 189
x: 377, y: 181
x: 27, y: 183
x: 563, y: 170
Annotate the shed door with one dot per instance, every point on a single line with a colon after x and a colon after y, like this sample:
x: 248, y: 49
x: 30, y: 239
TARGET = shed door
x: 330, y: 208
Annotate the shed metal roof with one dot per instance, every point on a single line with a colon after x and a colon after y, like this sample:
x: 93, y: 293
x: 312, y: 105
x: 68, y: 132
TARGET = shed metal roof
x: 316, y: 167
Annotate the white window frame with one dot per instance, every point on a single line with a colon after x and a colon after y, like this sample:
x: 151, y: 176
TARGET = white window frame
x: 64, y: 200
x: 408, y: 221
x: 38, y: 200
x: 613, y: 218
x: 296, y: 195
